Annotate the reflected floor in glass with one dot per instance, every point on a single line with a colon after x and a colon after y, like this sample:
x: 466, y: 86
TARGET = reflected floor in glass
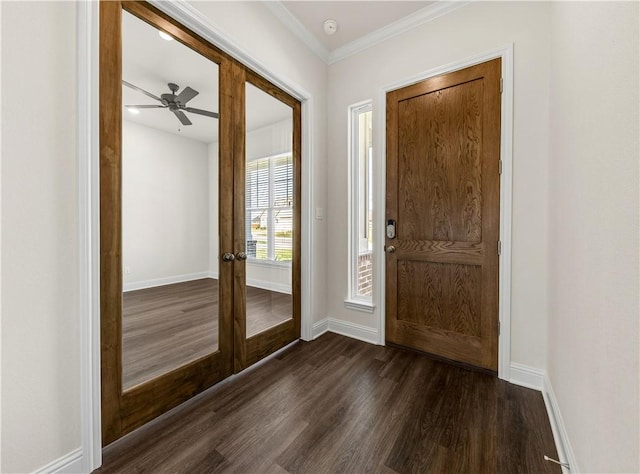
x: 166, y: 327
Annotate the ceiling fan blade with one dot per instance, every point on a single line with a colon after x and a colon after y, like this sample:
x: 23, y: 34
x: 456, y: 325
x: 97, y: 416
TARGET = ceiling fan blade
x: 147, y: 106
x: 182, y: 117
x: 186, y: 95
x: 201, y: 112
x: 136, y: 88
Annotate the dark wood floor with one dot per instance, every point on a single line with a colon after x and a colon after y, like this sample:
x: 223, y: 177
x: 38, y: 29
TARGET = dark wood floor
x: 168, y: 326
x: 337, y: 405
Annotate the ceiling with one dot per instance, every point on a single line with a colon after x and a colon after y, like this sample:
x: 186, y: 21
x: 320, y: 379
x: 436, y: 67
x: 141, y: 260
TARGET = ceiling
x: 150, y: 63
x: 355, y: 18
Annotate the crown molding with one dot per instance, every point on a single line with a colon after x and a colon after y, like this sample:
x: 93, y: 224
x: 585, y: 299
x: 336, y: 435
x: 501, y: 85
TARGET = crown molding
x: 298, y: 29
x: 396, y: 28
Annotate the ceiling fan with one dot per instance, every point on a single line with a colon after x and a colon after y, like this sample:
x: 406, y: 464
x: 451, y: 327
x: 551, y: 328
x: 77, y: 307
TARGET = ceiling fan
x: 175, y: 103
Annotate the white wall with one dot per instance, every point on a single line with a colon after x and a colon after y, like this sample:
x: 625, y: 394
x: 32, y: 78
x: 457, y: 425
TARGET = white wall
x: 40, y: 343
x: 466, y: 32
x: 274, y: 139
x: 165, y: 206
x: 593, y: 231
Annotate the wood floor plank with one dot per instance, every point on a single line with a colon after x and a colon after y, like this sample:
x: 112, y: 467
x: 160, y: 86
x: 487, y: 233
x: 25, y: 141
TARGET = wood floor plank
x: 337, y: 405
x: 168, y: 326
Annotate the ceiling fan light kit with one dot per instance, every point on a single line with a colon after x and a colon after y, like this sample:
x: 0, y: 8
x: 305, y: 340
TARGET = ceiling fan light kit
x: 177, y: 104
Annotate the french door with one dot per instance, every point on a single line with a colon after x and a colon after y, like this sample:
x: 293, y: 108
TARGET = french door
x: 267, y: 218
x: 199, y: 215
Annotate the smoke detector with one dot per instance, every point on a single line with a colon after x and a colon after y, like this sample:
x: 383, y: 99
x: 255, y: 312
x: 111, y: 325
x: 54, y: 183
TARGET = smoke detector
x: 330, y: 26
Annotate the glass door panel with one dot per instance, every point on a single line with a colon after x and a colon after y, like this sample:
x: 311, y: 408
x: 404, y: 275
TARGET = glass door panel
x: 269, y: 211
x: 169, y: 203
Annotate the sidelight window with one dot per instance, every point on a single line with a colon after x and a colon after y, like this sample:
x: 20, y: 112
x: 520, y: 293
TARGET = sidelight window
x: 361, y: 207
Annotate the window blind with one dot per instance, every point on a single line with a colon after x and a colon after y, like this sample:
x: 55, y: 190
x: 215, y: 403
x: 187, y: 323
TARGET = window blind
x: 269, y: 208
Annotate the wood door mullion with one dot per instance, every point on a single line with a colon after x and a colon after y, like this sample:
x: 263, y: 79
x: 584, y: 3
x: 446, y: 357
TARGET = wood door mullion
x: 296, y: 260
x: 225, y: 214
x: 110, y: 218
x: 491, y: 208
x: 239, y: 267
x: 391, y: 259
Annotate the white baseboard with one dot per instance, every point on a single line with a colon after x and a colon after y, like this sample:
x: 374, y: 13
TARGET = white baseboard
x: 140, y: 285
x: 526, y: 376
x: 69, y: 464
x: 538, y: 379
x: 319, y: 328
x: 269, y: 285
x: 345, y: 328
x: 563, y: 446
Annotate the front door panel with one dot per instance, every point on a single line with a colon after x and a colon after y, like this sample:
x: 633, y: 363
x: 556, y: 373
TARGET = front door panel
x: 443, y: 147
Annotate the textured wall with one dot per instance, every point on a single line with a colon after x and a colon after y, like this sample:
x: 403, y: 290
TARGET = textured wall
x: 40, y: 323
x: 593, y: 231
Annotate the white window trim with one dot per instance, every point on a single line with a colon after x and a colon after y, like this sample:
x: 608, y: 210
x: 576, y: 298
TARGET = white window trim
x: 354, y: 301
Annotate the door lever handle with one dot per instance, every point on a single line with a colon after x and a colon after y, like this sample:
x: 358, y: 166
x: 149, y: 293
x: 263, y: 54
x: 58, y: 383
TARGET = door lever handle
x: 228, y: 257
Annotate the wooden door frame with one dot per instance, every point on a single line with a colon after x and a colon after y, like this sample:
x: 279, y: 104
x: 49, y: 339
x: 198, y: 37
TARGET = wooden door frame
x: 89, y: 456
x: 506, y: 180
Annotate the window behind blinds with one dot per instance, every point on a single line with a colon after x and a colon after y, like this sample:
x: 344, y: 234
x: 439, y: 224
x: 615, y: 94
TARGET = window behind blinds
x: 269, y: 208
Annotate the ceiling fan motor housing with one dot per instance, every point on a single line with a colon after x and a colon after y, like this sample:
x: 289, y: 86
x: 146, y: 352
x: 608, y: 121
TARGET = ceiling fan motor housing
x: 170, y: 101
x: 175, y: 103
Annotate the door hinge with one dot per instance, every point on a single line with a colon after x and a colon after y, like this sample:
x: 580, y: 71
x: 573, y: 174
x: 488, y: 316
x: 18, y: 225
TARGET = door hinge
x: 499, y: 247
x: 500, y: 167
x: 501, y: 85
x: 498, y: 328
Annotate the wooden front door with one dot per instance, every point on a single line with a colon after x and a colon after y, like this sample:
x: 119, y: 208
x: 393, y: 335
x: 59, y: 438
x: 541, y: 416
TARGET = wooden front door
x: 443, y: 156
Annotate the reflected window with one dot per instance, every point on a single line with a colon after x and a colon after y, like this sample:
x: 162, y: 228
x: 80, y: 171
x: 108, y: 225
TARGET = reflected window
x: 269, y: 208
